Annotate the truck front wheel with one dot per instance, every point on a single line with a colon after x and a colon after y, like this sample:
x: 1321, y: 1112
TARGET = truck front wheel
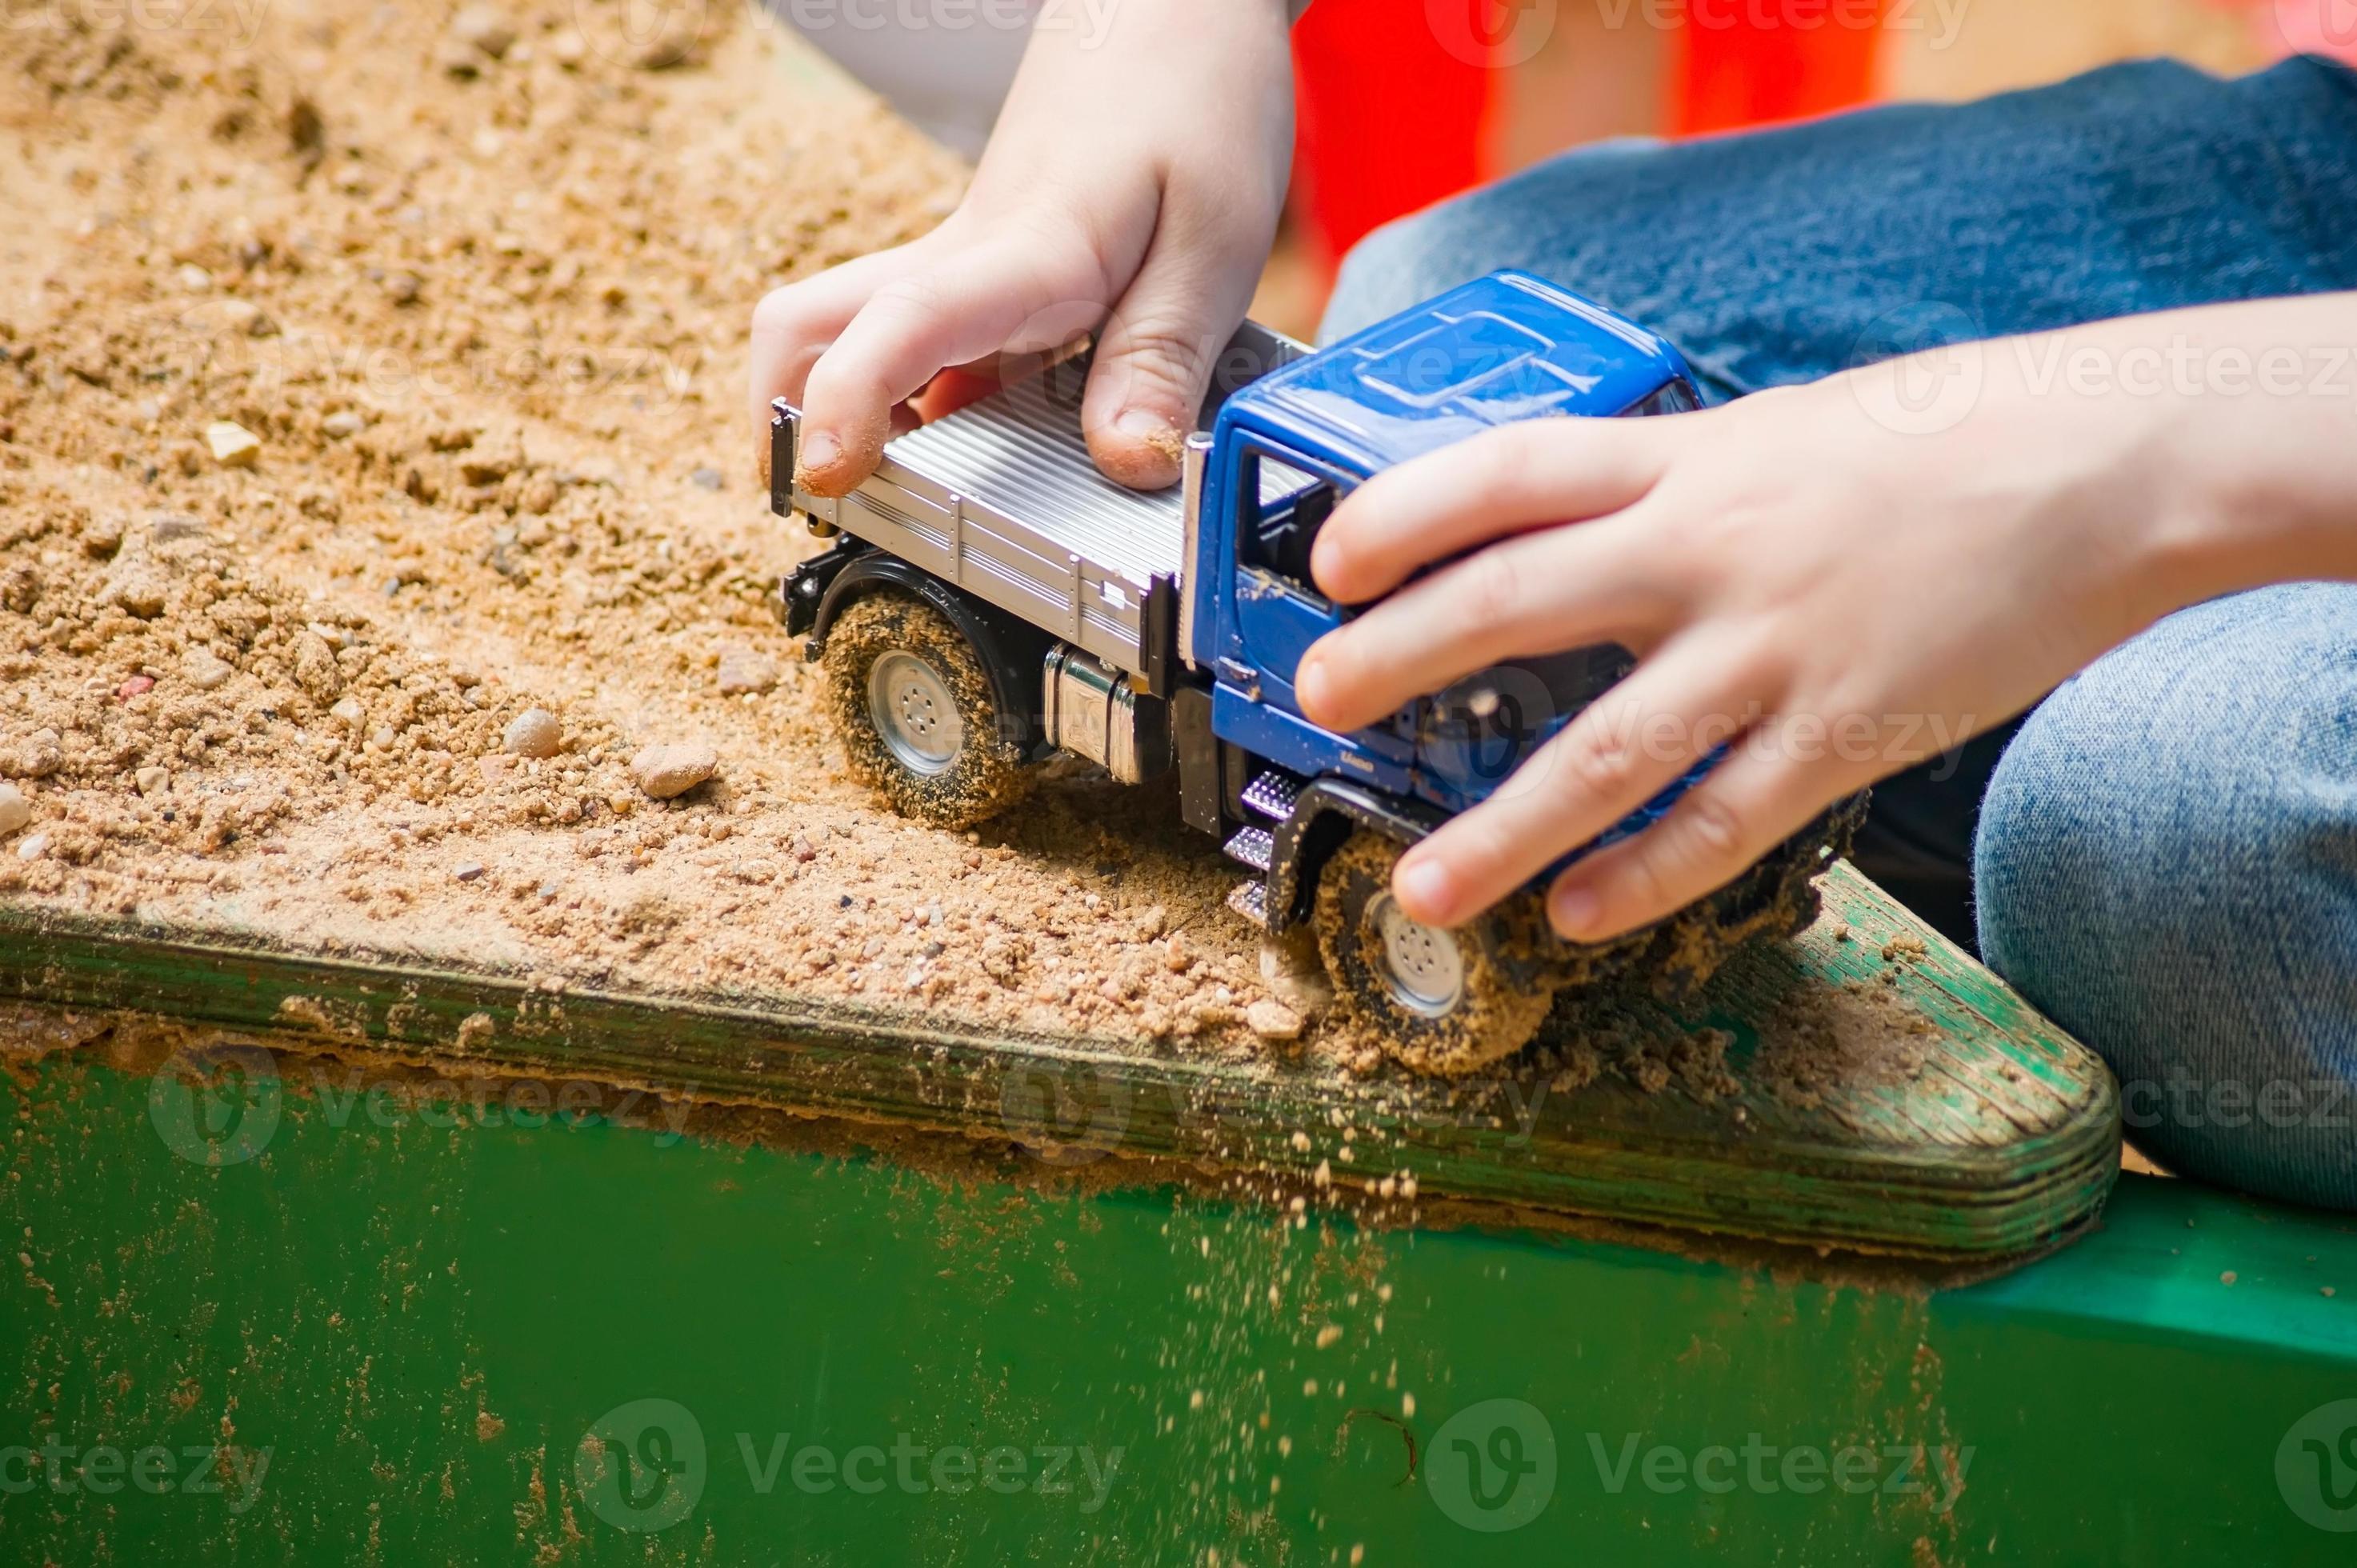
x: 1436, y: 1000
x: 913, y: 705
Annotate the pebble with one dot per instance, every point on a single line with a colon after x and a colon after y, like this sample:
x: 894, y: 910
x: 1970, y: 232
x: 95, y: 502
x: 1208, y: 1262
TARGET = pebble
x: 14, y: 809
x: 136, y: 686
x: 743, y: 671
x: 33, y: 847
x: 471, y: 872
x: 483, y: 28
x: 343, y: 424
x: 533, y: 732
x: 1272, y: 1021
x: 153, y: 780
x: 233, y: 446
x: 403, y: 287
x: 709, y: 478
x: 195, y: 279
x: 664, y: 771
x: 245, y: 316
x: 173, y: 526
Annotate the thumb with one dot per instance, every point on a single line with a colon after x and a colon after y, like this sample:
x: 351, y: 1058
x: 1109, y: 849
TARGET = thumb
x: 1155, y: 358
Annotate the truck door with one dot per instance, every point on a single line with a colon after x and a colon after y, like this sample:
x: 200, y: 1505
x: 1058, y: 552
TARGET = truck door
x: 1281, y: 501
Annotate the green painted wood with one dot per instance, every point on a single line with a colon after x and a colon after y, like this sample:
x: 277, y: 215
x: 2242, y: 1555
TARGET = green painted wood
x: 2006, y: 1141
x: 418, y: 1320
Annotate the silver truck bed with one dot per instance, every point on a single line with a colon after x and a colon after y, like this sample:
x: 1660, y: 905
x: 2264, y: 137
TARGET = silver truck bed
x: 1002, y: 498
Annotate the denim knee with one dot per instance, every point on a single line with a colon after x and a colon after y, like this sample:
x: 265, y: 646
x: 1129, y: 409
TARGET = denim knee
x: 2166, y: 865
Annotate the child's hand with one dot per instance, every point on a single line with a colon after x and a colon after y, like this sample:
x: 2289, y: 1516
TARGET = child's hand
x: 1817, y: 578
x: 1131, y: 189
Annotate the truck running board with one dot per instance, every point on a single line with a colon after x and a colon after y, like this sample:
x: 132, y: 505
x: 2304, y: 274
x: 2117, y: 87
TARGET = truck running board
x: 1272, y: 794
x: 1253, y: 847
x: 1250, y: 899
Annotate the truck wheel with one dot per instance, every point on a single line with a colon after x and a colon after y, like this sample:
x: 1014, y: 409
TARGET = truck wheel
x: 1436, y: 1000
x: 914, y: 707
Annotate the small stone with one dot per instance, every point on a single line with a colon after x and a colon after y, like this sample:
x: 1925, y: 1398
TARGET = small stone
x: 173, y: 526
x: 471, y: 871
x: 195, y: 279
x: 403, y: 287
x: 708, y: 476
x: 743, y: 671
x: 568, y: 50
x: 14, y: 809
x: 245, y: 316
x: 343, y: 424
x: 233, y: 446
x: 483, y: 28
x: 205, y: 673
x: 153, y: 780
x: 350, y: 711
x: 33, y: 846
x: 1272, y: 1021
x: 136, y: 686
x: 665, y: 771
x: 315, y: 667
x: 534, y: 733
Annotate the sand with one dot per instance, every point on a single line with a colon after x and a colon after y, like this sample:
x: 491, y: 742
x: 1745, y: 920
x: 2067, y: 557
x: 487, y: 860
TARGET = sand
x: 374, y: 379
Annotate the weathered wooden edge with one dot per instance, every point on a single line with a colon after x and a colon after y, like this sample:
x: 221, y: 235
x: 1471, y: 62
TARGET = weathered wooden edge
x: 1069, y: 1097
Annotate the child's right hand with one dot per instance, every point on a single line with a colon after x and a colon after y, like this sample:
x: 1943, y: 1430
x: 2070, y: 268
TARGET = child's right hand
x: 1131, y: 189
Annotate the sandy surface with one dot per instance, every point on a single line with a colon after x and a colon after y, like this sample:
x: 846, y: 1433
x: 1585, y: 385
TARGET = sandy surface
x: 471, y: 289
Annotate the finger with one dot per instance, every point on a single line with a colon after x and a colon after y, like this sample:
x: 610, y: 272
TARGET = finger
x: 792, y: 327
x: 1502, y: 482
x: 1721, y: 829
x: 1541, y: 593
x: 908, y: 331
x: 1155, y: 356
x: 1625, y: 749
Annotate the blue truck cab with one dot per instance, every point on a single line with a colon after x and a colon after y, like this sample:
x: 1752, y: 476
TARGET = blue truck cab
x: 1285, y: 448
x: 990, y: 600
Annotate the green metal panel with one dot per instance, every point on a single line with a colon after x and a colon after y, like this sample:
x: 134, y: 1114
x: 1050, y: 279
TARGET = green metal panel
x: 417, y: 1317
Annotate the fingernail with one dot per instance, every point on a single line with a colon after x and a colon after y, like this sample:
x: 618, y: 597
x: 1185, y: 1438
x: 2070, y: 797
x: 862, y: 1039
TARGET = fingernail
x: 1142, y: 425
x: 1573, y: 911
x: 1423, y: 883
x: 821, y: 451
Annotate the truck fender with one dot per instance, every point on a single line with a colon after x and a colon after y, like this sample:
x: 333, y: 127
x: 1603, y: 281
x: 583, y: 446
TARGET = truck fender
x: 1013, y: 651
x: 1324, y: 815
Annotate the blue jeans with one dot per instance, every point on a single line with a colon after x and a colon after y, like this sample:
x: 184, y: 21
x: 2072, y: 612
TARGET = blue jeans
x: 2163, y: 854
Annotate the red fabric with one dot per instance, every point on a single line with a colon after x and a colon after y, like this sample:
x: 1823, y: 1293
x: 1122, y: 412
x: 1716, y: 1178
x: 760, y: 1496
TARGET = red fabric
x: 1736, y: 69
x: 1391, y: 119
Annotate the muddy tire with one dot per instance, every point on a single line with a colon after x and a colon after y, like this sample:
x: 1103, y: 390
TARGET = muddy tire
x: 1437, y: 1002
x: 913, y: 707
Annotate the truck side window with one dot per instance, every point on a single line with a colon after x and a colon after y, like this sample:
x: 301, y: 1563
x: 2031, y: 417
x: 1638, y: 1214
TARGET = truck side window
x: 1283, y: 523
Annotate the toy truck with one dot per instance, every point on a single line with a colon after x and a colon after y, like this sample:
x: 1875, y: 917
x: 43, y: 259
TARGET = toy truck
x: 990, y: 600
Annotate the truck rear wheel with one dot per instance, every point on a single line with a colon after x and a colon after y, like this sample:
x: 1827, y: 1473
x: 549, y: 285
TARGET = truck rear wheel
x: 913, y: 705
x: 1436, y: 1000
